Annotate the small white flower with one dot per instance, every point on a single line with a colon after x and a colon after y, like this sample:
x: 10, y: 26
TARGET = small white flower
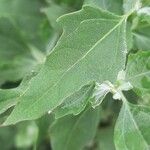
x: 144, y: 11
x: 49, y: 112
x: 101, y: 90
x: 117, y: 96
x: 125, y: 86
x: 121, y: 75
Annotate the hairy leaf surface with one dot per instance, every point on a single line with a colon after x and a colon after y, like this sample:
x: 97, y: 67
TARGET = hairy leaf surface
x: 132, y: 128
x: 10, y: 97
x: 92, y: 48
x: 74, y: 132
x: 115, y: 6
x: 138, y: 73
x: 75, y: 103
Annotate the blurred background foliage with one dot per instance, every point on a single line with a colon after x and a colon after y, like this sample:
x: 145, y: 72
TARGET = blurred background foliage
x: 28, y: 32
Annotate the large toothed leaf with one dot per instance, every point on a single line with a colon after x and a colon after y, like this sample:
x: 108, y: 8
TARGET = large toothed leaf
x: 92, y: 48
x: 74, y: 132
x: 138, y: 73
x: 133, y: 128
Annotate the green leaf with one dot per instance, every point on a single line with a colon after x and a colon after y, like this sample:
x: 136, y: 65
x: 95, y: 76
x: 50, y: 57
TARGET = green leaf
x: 90, y: 40
x: 26, y: 135
x: 130, y: 6
x: 75, y: 103
x: 114, y: 6
x: 15, y: 58
x: 10, y: 97
x: 53, y: 11
x: 75, y: 4
x: 141, y: 30
x: 104, y: 138
x: 144, y: 14
x: 52, y: 14
x: 146, y: 2
x: 73, y: 133
x: 7, y: 134
x: 21, y: 25
x: 133, y: 128
x: 138, y: 72
x: 141, y: 38
x: 43, y: 124
x: 27, y: 18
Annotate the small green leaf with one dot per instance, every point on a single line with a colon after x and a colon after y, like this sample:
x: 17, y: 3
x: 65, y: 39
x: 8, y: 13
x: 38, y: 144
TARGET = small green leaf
x: 138, y: 72
x: 74, y: 132
x: 43, y: 124
x: 7, y: 134
x: 133, y: 128
x: 15, y: 57
x: 21, y: 24
x: 52, y: 14
x: 141, y: 31
x: 75, y: 103
x: 53, y: 11
x: 104, y: 138
x: 142, y: 38
x: 27, y: 18
x: 144, y: 14
x: 26, y: 135
x: 10, y: 97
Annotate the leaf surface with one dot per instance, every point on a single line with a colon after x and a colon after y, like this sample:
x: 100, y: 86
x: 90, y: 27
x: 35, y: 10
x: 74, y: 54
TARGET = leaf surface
x: 75, y: 103
x: 74, y: 133
x: 114, y: 6
x: 132, y: 128
x: 82, y: 55
x: 130, y: 6
x: 104, y: 139
x: 138, y: 72
x: 52, y: 14
x: 141, y: 31
x: 10, y: 97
